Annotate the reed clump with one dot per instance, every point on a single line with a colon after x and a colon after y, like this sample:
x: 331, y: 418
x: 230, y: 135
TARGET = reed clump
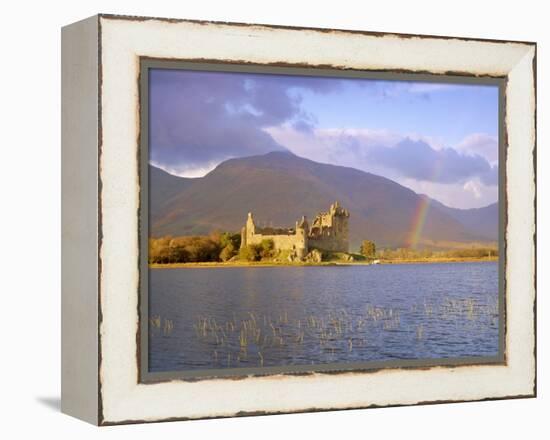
x: 337, y: 331
x: 158, y: 323
x: 256, y: 339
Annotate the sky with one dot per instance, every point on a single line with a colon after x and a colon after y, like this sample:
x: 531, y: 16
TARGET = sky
x: 439, y: 139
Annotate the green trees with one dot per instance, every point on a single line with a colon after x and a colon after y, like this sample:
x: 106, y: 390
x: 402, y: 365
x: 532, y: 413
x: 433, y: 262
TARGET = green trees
x: 257, y: 252
x: 229, y: 244
x: 228, y: 238
x: 267, y: 246
x: 228, y: 252
x: 368, y: 248
x: 252, y: 252
x: 432, y: 254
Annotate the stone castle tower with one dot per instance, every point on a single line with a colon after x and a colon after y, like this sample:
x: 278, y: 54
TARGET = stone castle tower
x: 329, y: 232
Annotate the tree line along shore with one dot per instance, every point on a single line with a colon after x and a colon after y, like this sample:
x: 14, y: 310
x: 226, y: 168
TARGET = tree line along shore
x: 224, y: 249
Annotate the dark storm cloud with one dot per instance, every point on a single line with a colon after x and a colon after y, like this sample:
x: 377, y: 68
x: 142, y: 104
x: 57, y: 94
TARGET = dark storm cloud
x: 200, y: 118
x: 418, y: 160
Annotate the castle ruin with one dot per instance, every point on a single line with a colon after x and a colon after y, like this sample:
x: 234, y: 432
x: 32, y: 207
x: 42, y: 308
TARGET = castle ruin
x: 328, y: 232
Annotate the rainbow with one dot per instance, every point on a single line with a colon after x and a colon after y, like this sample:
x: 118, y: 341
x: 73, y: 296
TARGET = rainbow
x: 419, y: 218
x: 421, y: 212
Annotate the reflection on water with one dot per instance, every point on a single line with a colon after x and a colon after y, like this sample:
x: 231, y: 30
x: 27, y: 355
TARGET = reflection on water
x: 205, y: 318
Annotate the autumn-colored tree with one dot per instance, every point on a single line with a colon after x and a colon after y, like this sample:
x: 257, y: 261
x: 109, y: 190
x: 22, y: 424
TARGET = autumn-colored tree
x: 368, y: 248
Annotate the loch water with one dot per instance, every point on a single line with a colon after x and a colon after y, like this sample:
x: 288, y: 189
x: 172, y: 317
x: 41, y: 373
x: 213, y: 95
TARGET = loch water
x: 231, y: 317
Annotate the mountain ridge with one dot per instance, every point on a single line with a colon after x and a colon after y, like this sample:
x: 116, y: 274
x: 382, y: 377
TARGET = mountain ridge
x: 482, y: 218
x: 280, y: 187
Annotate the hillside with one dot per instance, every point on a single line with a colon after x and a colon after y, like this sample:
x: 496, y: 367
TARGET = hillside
x: 162, y: 188
x: 280, y: 187
x: 482, y: 220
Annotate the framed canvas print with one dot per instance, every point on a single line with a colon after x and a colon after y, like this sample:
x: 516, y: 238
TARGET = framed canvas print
x: 263, y: 220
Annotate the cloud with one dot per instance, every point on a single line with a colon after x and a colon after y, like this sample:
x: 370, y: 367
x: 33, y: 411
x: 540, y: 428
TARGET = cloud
x: 388, y: 153
x: 346, y: 147
x: 200, y: 118
x: 468, y: 195
x: 427, y: 87
x: 394, y: 89
x: 473, y: 187
x: 414, y: 161
x: 184, y: 171
x: 418, y: 160
x: 481, y: 144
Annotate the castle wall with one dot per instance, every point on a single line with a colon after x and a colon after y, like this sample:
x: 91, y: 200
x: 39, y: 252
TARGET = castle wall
x: 332, y: 244
x: 325, y: 220
x: 282, y: 242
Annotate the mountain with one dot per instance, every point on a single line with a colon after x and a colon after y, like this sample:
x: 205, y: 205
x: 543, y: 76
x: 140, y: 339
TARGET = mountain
x: 163, y: 187
x: 482, y: 220
x: 280, y: 187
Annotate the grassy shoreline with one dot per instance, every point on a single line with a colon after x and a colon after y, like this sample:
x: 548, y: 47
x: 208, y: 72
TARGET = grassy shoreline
x: 324, y: 263
x: 441, y: 260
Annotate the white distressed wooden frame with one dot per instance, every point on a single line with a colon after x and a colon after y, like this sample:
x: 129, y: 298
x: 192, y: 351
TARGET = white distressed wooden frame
x: 100, y: 219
